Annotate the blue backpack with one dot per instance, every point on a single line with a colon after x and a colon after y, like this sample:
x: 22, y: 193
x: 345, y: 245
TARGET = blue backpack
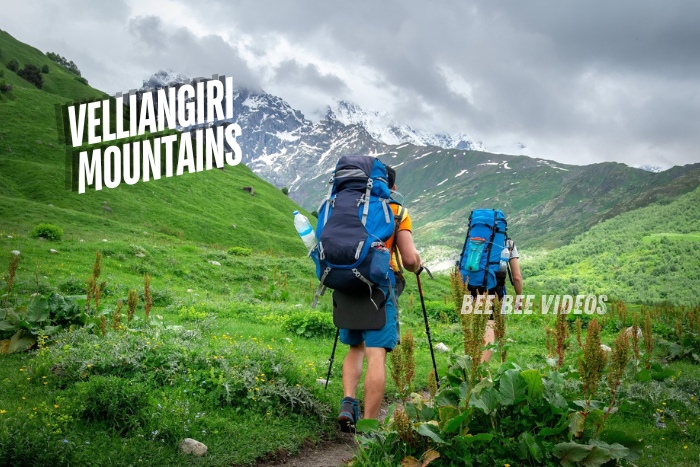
x: 354, y: 223
x: 480, y: 258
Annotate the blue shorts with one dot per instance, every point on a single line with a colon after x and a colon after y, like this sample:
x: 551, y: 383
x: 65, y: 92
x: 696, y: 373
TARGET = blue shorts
x: 386, y: 337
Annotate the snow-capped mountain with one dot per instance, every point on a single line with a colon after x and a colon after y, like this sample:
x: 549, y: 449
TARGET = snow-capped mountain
x: 651, y: 168
x: 386, y: 129
x: 163, y: 78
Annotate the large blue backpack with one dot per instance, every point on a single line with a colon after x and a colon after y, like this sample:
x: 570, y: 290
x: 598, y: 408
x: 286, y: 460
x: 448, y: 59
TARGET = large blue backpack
x: 354, y: 223
x: 480, y: 258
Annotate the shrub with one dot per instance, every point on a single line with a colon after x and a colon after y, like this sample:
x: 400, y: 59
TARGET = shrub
x: 82, y: 80
x: 310, y: 324
x: 115, y: 401
x: 13, y: 65
x: 47, y: 231
x: 239, y: 251
x: 32, y: 74
x: 285, y: 191
x: 45, y: 69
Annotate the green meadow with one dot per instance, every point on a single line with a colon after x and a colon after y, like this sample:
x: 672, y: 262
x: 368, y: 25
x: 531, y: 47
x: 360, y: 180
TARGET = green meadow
x: 134, y: 317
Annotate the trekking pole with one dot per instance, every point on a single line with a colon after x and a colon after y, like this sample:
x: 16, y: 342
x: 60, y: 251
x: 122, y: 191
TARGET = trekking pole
x: 427, y: 326
x: 330, y: 360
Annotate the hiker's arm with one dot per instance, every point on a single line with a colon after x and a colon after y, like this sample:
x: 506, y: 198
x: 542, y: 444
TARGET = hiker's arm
x: 409, y: 255
x: 517, y: 276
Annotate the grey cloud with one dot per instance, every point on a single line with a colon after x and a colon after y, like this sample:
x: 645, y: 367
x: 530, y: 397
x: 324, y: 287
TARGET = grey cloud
x: 164, y: 46
x: 291, y: 73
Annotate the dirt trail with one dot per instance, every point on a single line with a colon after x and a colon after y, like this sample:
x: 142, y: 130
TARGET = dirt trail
x: 335, y: 453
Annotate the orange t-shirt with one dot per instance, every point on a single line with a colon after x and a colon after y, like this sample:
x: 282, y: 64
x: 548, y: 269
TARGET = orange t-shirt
x: 405, y: 224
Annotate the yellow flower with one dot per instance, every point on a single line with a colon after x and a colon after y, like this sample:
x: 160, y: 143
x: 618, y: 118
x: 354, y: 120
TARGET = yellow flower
x: 55, y: 406
x: 685, y: 447
x: 3, y: 412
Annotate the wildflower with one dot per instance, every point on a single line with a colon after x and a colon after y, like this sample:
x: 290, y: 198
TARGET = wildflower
x: 2, y: 412
x: 55, y: 406
x: 685, y: 447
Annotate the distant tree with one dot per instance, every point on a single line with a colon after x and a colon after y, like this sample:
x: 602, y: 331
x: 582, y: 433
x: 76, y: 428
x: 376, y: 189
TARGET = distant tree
x: 285, y: 190
x: 45, y: 69
x: 64, y: 62
x: 80, y: 79
x: 13, y: 65
x: 32, y: 74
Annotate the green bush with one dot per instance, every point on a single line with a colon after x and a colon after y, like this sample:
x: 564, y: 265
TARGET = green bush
x: 239, y: 251
x: 310, y: 324
x: 45, y: 69
x: 13, y: 65
x: 114, y: 401
x: 47, y: 231
x: 32, y: 74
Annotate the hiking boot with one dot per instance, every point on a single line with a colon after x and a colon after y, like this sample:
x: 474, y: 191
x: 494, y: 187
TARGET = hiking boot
x: 349, y: 414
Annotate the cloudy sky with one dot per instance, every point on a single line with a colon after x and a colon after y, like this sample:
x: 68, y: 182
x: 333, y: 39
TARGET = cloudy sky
x: 577, y: 82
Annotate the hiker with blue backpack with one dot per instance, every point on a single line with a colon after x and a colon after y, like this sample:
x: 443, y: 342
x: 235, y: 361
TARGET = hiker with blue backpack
x: 364, y: 240
x: 488, y: 256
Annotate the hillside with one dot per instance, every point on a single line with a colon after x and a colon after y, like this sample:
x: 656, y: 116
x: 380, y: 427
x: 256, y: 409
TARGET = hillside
x: 648, y: 255
x: 208, y: 207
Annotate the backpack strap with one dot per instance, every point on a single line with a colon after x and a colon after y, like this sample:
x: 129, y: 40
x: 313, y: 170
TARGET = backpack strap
x: 510, y: 244
x: 398, y: 217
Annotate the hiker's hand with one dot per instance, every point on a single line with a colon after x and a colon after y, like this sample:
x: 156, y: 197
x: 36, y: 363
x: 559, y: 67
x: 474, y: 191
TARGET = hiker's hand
x: 423, y: 268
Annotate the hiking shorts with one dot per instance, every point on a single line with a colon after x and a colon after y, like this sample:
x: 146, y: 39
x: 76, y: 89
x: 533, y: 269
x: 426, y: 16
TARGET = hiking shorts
x: 386, y: 337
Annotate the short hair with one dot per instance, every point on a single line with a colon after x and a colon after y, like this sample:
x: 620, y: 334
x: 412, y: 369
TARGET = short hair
x: 391, y: 176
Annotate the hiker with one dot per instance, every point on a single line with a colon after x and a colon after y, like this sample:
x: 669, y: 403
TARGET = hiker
x: 481, y: 263
x: 374, y: 344
x: 500, y: 292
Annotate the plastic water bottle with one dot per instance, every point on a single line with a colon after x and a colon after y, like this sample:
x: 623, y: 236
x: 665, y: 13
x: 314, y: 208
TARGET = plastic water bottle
x: 306, y: 231
x: 505, y: 257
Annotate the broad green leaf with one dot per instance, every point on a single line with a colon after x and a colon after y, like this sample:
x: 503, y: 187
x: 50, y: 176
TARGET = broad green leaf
x: 571, y: 453
x: 487, y: 401
x: 38, y: 309
x: 20, y: 342
x: 643, y: 376
x: 598, y: 456
x: 557, y: 403
x: 535, y: 386
x: 576, y: 424
x: 617, y: 451
x: 560, y: 426
x: 445, y: 414
x: 6, y: 325
x: 513, y: 387
x: 367, y: 425
x: 633, y: 445
x: 431, y: 431
x: 455, y: 423
x: 479, y: 437
x: 530, y: 446
x: 447, y: 397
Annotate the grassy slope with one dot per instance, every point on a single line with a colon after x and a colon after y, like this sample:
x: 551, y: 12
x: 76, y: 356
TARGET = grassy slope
x: 202, y: 207
x: 647, y: 255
